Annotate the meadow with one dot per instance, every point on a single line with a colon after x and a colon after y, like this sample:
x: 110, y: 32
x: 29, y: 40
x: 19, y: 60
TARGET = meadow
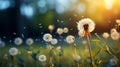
x: 103, y: 50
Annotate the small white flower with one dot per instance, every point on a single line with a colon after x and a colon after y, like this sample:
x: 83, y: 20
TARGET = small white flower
x: 105, y: 35
x: 65, y: 30
x: 42, y: 58
x: 70, y: 39
x: 76, y: 57
x: 54, y: 41
x: 51, y: 27
x: 13, y: 51
x: 47, y: 37
x: 89, y: 22
x: 115, y: 35
x: 29, y: 41
x: 18, y: 41
x: 60, y: 31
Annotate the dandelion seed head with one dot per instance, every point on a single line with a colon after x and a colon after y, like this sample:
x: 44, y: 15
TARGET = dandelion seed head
x: 70, y: 39
x: 18, y: 41
x: 13, y: 51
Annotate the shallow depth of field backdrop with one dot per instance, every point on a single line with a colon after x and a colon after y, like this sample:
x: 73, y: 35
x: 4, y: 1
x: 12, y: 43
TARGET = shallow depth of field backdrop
x: 44, y: 33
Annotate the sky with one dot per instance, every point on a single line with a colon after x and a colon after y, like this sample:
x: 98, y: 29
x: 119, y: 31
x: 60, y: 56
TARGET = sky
x: 36, y: 15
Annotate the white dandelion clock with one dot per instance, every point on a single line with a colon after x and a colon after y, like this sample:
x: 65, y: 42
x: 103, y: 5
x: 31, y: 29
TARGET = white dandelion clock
x: 18, y: 41
x: 70, y: 39
x: 115, y: 35
x: 29, y: 41
x: 105, y: 35
x: 84, y: 42
x: 51, y: 28
x: 42, y: 58
x: 113, y: 30
x: 2, y: 44
x: 47, y: 37
x: 76, y: 57
x: 54, y: 41
x: 86, y: 22
x: 113, y: 62
x: 118, y: 21
x: 58, y: 48
x: 66, y: 30
x: 13, y: 51
x: 60, y: 31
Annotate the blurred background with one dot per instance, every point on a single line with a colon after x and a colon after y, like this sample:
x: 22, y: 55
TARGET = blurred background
x: 30, y: 18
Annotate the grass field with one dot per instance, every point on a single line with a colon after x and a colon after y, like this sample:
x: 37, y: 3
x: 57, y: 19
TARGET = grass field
x: 101, y: 56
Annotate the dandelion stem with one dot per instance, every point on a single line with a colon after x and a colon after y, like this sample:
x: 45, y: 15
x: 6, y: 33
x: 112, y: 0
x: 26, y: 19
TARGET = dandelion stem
x: 78, y: 65
x: 90, y: 50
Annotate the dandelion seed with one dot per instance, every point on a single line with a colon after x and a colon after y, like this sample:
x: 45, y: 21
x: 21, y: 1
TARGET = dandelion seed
x: 58, y: 20
x: 10, y: 41
x: 62, y: 21
x: 4, y: 37
x: 41, y: 27
x: 39, y: 24
x: 22, y: 35
x: 14, y: 33
x: 24, y: 27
